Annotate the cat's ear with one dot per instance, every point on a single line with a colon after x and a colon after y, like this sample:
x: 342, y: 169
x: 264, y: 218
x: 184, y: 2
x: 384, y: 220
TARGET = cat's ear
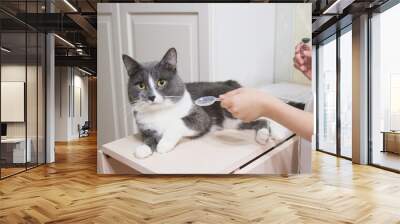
x: 170, y: 59
x: 131, y: 65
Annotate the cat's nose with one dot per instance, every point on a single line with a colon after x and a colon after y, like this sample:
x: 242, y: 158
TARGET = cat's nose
x: 152, y: 98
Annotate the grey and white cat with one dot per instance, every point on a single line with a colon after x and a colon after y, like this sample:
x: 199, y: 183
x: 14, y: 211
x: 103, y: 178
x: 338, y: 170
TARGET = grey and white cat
x: 164, y: 109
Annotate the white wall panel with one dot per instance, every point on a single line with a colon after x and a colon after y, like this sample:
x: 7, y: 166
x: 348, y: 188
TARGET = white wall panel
x: 144, y: 32
x: 154, y: 34
x: 108, y: 119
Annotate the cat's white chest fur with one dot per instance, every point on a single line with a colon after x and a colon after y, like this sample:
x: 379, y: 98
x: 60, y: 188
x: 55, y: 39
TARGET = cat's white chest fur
x: 169, y: 117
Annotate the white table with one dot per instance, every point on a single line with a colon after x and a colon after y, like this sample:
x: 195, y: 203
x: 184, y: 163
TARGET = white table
x: 18, y: 149
x: 223, y: 152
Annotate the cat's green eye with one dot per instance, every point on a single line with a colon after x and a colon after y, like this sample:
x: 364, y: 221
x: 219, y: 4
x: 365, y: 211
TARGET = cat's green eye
x: 141, y: 85
x: 161, y: 82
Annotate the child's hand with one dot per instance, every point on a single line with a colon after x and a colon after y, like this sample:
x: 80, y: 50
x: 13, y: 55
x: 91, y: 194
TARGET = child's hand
x: 246, y: 104
x: 249, y: 104
x: 302, y: 59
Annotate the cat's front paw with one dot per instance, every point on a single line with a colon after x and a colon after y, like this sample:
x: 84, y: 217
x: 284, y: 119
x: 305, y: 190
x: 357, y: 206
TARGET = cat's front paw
x: 279, y: 132
x: 143, y: 151
x: 164, y: 147
x: 262, y: 135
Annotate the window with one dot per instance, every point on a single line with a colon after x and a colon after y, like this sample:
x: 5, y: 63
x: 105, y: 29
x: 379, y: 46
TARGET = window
x: 327, y: 96
x: 385, y: 89
x: 346, y: 92
x: 22, y: 76
x: 394, y: 102
x: 329, y: 133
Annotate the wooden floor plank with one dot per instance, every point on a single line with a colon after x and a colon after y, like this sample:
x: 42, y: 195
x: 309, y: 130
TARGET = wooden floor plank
x: 70, y: 191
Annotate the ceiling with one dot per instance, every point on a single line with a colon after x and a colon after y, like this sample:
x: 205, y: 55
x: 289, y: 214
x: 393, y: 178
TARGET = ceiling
x: 76, y: 22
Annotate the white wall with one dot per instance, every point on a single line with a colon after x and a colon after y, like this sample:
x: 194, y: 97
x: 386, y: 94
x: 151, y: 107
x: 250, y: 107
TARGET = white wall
x: 80, y: 118
x: 61, y: 103
x: 293, y: 22
x: 66, y: 121
x: 244, y: 43
x: 254, y: 43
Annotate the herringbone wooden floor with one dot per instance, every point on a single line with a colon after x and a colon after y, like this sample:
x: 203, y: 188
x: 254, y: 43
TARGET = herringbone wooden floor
x: 70, y: 191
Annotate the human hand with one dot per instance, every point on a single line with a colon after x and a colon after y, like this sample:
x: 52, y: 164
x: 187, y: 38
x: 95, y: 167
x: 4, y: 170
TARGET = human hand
x: 246, y: 104
x: 302, y: 59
